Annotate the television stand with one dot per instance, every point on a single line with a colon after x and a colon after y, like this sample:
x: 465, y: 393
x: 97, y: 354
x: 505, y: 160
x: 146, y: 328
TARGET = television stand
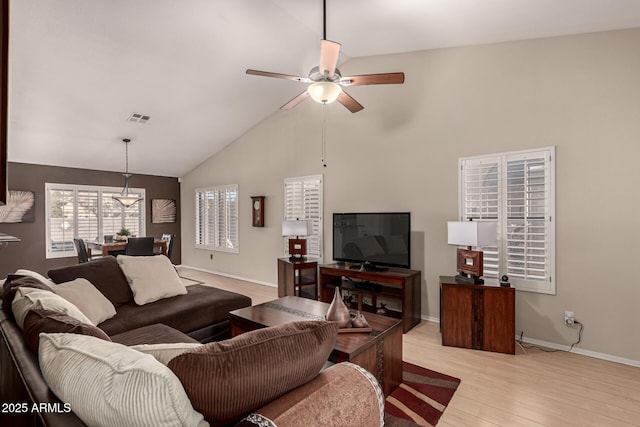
x: 394, y: 283
x: 366, y: 267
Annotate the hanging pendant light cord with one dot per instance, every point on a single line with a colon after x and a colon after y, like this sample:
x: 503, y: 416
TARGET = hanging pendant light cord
x: 125, y: 190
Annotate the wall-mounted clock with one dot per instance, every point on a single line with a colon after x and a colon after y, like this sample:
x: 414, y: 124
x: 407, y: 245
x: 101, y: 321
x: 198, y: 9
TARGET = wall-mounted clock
x: 257, y: 208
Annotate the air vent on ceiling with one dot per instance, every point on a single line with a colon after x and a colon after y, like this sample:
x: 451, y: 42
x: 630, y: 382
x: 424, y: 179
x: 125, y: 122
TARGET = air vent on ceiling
x: 138, y: 118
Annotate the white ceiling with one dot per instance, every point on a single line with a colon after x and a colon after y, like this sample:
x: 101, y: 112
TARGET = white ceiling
x: 79, y: 68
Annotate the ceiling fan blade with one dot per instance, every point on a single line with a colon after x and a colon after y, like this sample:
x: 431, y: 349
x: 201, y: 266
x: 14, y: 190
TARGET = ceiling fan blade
x: 352, y: 105
x: 373, y: 79
x: 278, y: 76
x: 329, y: 52
x: 295, y: 101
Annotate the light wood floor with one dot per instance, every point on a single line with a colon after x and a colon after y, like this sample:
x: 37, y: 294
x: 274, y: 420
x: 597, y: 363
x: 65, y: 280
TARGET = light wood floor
x: 529, y: 389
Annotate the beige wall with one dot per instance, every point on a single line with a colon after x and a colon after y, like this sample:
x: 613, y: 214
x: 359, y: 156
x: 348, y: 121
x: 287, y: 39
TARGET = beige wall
x: 578, y: 93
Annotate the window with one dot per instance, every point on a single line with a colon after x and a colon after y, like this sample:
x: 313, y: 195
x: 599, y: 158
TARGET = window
x: 303, y: 200
x: 217, y: 218
x: 518, y: 190
x: 89, y: 213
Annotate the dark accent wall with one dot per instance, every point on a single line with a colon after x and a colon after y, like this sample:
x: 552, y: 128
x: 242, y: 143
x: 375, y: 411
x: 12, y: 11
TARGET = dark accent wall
x: 30, y: 252
x: 4, y: 81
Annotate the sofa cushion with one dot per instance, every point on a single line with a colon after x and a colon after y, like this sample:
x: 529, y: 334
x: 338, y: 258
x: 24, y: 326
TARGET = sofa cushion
x: 29, y: 298
x: 201, y: 306
x: 228, y: 379
x: 103, y: 273
x: 10, y: 287
x: 152, y: 334
x: 165, y: 352
x: 108, y: 384
x: 151, y: 278
x: 81, y: 293
x: 35, y: 275
x: 49, y: 321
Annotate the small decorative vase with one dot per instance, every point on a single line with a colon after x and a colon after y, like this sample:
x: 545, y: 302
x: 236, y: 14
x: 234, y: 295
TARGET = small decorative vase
x: 359, y: 321
x: 382, y: 311
x: 338, y: 311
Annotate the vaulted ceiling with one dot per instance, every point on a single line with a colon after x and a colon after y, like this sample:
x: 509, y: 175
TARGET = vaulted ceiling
x: 79, y: 69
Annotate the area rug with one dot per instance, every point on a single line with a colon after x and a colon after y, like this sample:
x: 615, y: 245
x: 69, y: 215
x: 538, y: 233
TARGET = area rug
x: 421, y: 398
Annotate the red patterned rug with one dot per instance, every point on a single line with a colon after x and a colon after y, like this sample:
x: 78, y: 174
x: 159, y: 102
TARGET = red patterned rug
x: 421, y: 398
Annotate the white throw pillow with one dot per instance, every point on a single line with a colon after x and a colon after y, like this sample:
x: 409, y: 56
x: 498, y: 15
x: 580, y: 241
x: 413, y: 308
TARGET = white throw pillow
x: 44, y: 280
x: 32, y: 298
x: 81, y: 293
x: 151, y: 277
x: 165, y: 352
x: 108, y: 384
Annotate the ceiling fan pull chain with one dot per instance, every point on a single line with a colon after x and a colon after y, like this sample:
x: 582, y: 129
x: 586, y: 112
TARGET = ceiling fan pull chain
x: 324, y: 136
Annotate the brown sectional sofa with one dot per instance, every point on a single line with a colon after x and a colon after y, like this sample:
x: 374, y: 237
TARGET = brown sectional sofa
x: 200, y: 315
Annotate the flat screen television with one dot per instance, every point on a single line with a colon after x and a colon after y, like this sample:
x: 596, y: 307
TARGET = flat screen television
x: 373, y: 239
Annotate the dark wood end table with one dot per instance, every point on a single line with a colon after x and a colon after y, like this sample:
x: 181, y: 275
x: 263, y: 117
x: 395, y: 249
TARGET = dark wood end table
x: 379, y: 352
x: 297, y: 275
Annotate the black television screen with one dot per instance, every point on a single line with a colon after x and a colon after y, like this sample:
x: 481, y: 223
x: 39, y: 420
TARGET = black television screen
x: 373, y: 238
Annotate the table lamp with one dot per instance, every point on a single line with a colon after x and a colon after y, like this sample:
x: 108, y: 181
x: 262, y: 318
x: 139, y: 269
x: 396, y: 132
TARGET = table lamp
x: 471, y: 234
x: 297, y: 228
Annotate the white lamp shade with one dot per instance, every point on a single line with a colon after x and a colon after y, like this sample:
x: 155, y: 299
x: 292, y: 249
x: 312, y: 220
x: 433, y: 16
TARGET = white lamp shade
x: 297, y: 228
x: 472, y: 233
x: 324, y: 92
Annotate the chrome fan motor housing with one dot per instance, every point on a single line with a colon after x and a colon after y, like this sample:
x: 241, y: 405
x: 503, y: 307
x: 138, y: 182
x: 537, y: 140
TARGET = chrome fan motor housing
x: 316, y: 76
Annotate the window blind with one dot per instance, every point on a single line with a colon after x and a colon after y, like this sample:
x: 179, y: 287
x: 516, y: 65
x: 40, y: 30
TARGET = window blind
x: 480, y: 183
x: 303, y: 200
x: 527, y: 217
x: 517, y: 190
x: 87, y: 212
x: 217, y: 218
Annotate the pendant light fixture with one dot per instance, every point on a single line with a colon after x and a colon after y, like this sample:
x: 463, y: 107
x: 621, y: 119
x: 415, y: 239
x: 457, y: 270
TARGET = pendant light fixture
x: 125, y: 198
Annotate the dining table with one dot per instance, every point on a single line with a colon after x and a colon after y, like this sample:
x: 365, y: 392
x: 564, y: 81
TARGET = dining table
x: 120, y: 246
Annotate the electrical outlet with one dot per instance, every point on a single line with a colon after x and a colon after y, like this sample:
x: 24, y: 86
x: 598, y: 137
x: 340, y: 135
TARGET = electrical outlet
x: 569, y: 318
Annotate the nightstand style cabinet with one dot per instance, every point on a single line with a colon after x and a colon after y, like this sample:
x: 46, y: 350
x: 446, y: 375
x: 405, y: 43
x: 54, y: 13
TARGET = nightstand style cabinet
x: 298, y: 278
x: 480, y: 317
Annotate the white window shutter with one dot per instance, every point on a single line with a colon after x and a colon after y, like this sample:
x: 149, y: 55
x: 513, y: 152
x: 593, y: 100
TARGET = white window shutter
x: 528, y: 229
x: 518, y: 190
x: 217, y: 218
x: 481, y: 200
x: 89, y: 213
x: 303, y: 200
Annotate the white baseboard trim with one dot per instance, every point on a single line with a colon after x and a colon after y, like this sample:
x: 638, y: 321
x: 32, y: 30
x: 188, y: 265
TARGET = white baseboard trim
x: 546, y: 344
x: 231, y: 276
x: 589, y: 353
x: 430, y: 318
x: 595, y: 354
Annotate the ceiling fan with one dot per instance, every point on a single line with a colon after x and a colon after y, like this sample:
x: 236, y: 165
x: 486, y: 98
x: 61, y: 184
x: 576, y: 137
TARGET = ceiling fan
x: 326, y: 81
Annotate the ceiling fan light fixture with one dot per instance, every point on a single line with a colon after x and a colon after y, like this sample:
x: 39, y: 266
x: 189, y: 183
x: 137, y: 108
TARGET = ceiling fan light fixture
x: 324, y: 92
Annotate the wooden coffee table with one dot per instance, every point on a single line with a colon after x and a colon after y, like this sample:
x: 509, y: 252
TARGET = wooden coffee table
x: 379, y: 352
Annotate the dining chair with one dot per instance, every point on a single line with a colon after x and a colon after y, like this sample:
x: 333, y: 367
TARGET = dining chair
x: 169, y: 239
x: 83, y: 253
x: 140, y: 246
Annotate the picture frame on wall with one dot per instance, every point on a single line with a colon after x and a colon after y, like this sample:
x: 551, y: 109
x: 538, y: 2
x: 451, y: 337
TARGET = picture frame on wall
x: 163, y: 211
x: 20, y: 207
